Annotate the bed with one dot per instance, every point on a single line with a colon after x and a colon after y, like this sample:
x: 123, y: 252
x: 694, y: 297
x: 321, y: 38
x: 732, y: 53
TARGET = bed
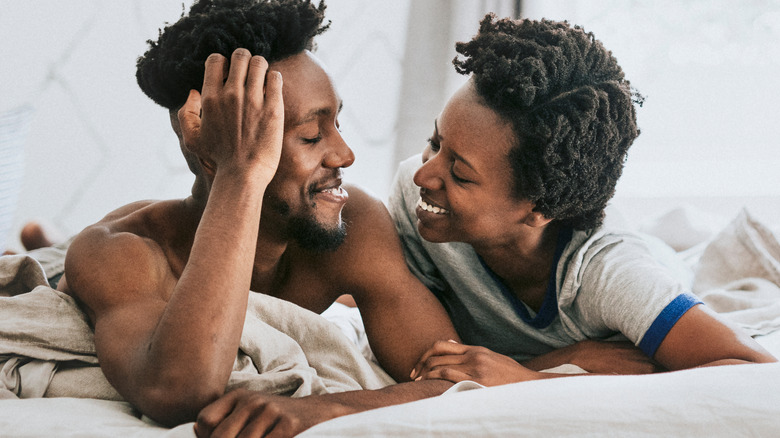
x: 734, y: 267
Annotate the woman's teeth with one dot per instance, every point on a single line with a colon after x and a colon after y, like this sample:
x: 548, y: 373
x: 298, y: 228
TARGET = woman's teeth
x: 431, y: 208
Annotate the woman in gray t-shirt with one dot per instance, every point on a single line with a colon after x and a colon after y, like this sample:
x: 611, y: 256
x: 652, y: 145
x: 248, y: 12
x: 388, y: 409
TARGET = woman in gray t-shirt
x: 503, y: 219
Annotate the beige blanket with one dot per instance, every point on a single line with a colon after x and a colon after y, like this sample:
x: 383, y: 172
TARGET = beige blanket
x: 738, y: 275
x: 47, y: 348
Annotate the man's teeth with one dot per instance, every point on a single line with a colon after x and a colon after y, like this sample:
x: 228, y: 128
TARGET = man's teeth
x: 431, y: 208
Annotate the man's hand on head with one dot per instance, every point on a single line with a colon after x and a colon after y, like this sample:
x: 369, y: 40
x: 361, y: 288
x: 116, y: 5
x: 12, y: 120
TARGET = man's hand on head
x: 238, y: 120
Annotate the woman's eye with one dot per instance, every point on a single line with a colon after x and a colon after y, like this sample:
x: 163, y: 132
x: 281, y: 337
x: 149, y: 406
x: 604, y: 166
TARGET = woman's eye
x: 457, y: 178
x: 433, y: 145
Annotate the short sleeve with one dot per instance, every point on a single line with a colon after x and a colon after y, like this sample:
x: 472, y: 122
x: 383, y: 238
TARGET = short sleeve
x: 625, y: 289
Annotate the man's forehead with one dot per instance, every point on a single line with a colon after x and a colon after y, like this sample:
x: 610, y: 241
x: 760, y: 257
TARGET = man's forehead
x: 307, y: 89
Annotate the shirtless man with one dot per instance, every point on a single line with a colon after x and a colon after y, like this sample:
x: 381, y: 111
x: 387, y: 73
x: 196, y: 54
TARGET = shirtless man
x: 165, y: 283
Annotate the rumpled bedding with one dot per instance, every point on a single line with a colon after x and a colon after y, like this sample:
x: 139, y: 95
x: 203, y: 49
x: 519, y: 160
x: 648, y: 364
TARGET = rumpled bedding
x: 736, y: 273
x: 47, y: 347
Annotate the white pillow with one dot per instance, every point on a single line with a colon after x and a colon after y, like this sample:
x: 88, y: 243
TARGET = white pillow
x: 14, y: 125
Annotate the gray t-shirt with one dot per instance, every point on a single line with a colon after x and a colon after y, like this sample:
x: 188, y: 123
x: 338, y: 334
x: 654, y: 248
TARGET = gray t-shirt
x: 607, y: 284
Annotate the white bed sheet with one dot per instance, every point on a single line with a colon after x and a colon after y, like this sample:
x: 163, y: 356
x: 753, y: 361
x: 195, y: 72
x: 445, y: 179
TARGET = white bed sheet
x: 726, y: 401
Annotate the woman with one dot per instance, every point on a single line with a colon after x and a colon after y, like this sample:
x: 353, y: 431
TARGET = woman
x: 503, y: 220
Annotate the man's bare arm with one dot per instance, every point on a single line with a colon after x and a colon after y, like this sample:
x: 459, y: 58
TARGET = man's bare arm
x: 168, y: 344
x: 258, y: 415
x: 402, y: 317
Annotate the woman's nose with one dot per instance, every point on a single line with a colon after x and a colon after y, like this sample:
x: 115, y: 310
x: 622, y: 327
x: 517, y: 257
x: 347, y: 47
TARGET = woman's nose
x: 427, y: 176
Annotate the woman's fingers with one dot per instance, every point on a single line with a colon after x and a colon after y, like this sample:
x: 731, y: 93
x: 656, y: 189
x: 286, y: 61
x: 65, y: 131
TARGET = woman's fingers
x: 440, y: 348
x: 450, y: 373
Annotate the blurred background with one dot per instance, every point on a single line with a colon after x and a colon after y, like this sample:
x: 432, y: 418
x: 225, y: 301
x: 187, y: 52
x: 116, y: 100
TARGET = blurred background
x: 79, y: 139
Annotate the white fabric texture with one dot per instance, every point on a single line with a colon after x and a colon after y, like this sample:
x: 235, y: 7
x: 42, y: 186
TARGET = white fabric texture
x: 738, y: 275
x: 727, y: 401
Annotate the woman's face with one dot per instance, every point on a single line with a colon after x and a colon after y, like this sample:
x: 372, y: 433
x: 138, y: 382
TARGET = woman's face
x: 466, y: 180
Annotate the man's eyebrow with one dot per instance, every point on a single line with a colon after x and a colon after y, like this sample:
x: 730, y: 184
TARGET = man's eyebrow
x: 315, y: 113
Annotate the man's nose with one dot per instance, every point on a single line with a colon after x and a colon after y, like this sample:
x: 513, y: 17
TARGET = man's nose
x: 339, y: 155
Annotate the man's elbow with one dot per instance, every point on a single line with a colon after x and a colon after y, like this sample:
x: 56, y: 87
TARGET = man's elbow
x: 171, y: 405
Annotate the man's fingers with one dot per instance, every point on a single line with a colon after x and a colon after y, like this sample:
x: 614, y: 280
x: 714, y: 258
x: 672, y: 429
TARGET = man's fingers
x: 213, y: 416
x: 273, y: 92
x: 239, y: 62
x: 216, y: 71
x: 258, y: 66
x: 285, y: 427
x: 189, y: 118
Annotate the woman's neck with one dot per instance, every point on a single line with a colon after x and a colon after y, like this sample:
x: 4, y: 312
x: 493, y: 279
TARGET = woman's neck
x: 524, y: 263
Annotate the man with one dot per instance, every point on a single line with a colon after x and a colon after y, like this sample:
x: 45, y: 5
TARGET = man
x: 165, y: 283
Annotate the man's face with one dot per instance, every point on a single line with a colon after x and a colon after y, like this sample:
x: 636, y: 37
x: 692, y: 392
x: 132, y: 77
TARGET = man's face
x: 305, y: 195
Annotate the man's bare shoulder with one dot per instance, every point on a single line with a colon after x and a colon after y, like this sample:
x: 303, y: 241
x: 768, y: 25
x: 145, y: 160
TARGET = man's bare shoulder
x: 372, y: 248
x: 363, y: 207
x: 121, y: 256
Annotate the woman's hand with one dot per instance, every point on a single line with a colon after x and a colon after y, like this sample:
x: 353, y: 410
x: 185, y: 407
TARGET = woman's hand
x: 457, y: 362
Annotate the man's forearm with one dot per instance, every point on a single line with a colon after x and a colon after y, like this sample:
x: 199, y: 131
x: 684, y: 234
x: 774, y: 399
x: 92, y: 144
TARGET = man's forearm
x: 363, y: 400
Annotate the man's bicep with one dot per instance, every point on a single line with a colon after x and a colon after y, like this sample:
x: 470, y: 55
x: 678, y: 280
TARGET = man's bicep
x: 105, y: 269
x: 120, y: 282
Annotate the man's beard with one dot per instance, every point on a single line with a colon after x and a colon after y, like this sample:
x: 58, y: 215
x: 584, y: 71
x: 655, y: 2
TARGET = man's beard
x: 307, y: 232
x: 312, y: 236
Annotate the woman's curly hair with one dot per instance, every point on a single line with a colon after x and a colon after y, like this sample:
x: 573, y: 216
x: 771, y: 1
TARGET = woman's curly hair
x: 274, y: 29
x: 570, y: 106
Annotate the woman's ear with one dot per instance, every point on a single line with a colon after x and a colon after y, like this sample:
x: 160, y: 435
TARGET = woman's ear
x: 536, y: 219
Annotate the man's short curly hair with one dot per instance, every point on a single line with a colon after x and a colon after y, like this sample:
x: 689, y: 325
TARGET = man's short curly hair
x: 570, y: 106
x: 274, y: 29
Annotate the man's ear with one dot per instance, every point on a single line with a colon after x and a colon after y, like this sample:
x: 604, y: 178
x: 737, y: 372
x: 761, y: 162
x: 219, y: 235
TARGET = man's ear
x: 173, y: 115
x: 208, y: 168
x: 195, y: 163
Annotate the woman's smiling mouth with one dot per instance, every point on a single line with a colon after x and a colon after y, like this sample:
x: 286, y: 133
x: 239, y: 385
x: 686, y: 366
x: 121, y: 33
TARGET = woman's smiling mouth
x: 431, y: 208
